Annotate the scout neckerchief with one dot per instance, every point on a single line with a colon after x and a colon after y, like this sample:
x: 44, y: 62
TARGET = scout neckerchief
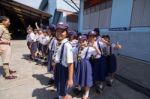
x: 79, y: 54
x: 61, y: 54
x: 57, y: 46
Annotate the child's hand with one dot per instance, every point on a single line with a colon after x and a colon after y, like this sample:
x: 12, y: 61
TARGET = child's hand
x: 69, y: 83
x: 118, y: 46
x: 36, y: 23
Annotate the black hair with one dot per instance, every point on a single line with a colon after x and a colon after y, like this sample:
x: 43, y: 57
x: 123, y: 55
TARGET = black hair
x: 97, y: 31
x: 103, y: 36
x: 107, y: 36
x: 3, y: 18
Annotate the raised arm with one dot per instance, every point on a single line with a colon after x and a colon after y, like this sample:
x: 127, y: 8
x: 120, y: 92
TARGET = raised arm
x: 36, y: 24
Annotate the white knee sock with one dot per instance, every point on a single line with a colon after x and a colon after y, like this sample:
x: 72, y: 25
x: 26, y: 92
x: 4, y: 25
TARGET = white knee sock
x: 86, y: 93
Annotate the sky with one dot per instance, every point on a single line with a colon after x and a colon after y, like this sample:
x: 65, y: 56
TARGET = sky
x: 32, y: 3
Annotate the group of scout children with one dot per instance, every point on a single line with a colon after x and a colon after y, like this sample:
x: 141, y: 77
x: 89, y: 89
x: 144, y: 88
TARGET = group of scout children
x: 37, y: 42
x: 76, y: 61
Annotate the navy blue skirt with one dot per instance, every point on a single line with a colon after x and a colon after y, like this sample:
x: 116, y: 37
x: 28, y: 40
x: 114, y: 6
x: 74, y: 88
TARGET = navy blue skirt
x: 111, y: 63
x: 44, y: 48
x: 50, y: 55
x: 61, y: 77
x: 34, y: 47
x: 40, y: 47
x: 83, y: 73
x: 99, y: 69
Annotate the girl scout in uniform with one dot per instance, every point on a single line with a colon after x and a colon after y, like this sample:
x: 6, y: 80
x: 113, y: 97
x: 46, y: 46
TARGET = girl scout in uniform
x: 45, y: 41
x: 51, y: 49
x: 111, y: 59
x: 51, y: 46
x: 83, y: 73
x: 40, y: 36
x: 31, y: 42
x: 98, y: 63
x: 63, y: 58
x: 34, y: 46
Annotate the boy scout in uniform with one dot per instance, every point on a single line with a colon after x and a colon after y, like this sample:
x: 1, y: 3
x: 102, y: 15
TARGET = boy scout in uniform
x: 5, y: 48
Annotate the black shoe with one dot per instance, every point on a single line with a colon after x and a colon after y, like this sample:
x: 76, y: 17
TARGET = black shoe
x: 76, y: 91
x: 56, y: 98
x: 110, y: 82
x: 99, y: 88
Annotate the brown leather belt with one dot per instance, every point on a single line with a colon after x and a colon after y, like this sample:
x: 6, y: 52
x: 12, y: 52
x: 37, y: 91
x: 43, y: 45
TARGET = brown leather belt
x: 3, y: 43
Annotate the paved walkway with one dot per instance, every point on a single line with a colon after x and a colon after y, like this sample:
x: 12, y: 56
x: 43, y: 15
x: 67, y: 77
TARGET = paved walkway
x: 134, y: 70
x: 32, y: 81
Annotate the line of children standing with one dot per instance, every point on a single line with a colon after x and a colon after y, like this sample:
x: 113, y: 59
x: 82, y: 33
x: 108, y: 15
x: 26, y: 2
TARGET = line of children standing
x: 37, y: 42
x: 83, y: 61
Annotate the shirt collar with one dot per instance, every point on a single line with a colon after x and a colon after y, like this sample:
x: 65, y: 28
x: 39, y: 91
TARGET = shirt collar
x: 2, y: 25
x: 64, y: 40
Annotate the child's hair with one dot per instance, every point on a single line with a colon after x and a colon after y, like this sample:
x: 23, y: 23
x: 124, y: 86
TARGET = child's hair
x: 3, y: 18
x: 97, y: 31
x: 29, y: 28
x: 108, y: 37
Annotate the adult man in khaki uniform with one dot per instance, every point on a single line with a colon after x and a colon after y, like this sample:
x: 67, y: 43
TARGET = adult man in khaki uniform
x: 5, y: 48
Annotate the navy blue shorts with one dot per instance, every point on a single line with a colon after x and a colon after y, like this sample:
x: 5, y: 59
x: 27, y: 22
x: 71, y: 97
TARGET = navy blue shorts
x: 34, y: 47
x: 40, y: 47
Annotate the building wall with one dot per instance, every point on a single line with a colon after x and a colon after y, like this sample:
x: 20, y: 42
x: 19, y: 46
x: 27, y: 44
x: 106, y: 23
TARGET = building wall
x: 121, y: 13
x: 131, y: 14
x: 61, y: 6
x: 141, y: 13
x: 97, y: 16
x: 135, y: 43
x: 73, y: 25
x: 51, y: 8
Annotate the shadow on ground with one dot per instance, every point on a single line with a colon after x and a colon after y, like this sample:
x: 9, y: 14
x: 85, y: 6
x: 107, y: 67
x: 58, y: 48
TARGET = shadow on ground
x: 37, y: 62
x: 1, y: 71
x: 46, y: 92
x: 41, y: 78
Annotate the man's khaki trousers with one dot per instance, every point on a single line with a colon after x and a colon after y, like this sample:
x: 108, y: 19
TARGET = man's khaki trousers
x: 5, y: 53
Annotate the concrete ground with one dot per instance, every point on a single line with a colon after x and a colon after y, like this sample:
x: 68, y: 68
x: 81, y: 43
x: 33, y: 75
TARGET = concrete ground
x: 32, y: 81
x: 134, y: 70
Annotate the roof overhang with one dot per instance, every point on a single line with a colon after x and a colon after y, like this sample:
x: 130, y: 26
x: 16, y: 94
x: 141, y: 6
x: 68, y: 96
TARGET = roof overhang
x: 24, y: 10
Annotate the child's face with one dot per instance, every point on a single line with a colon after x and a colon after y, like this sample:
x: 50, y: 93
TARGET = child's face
x: 92, y: 38
x: 83, y: 43
x: 35, y: 31
x: 29, y: 30
x: 49, y: 32
x: 45, y: 34
x: 106, y: 39
x: 61, y: 34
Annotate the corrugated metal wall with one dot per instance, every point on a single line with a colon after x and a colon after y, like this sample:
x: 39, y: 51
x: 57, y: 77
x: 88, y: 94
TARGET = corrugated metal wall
x: 98, y: 16
x: 140, y: 13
